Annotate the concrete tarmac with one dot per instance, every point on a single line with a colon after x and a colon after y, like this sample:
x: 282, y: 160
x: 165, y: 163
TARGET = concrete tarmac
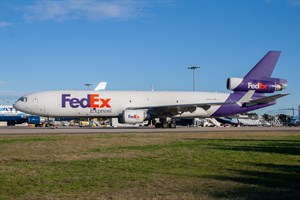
x: 18, y: 130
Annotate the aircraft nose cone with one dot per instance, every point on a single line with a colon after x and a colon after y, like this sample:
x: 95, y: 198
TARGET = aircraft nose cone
x: 16, y: 105
x: 19, y: 106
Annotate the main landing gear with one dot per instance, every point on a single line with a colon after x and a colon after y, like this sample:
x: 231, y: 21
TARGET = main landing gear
x: 164, y: 123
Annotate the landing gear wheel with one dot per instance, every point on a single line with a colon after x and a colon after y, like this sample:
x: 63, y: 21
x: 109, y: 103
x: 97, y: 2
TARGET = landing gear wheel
x: 165, y: 125
x: 11, y: 123
x: 157, y: 125
x: 172, y: 125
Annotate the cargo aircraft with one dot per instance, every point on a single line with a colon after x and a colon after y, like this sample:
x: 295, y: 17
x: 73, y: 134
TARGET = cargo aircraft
x: 133, y: 107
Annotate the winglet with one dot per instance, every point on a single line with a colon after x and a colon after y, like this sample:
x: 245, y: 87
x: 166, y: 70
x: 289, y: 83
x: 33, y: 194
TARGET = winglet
x: 246, y: 98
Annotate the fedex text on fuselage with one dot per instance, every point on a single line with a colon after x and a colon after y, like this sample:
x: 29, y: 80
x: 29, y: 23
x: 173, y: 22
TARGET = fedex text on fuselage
x: 91, y: 101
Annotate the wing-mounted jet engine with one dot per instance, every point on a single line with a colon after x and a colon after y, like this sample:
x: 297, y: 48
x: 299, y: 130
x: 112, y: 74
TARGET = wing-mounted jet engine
x: 133, y: 116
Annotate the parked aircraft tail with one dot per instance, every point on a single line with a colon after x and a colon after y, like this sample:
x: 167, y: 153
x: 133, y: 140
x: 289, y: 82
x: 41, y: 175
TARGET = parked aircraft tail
x: 259, y: 77
x: 265, y: 67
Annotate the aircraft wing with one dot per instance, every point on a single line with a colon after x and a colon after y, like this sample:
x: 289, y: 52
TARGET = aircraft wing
x: 171, y: 110
x: 175, y: 109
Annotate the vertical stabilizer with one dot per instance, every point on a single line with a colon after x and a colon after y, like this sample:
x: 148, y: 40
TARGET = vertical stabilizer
x: 101, y: 86
x: 259, y: 77
x: 264, y: 68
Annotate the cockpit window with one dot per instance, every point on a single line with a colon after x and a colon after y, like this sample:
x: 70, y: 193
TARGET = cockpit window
x: 23, y: 99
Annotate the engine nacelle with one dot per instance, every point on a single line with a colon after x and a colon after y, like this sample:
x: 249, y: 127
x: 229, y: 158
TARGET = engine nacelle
x: 133, y: 116
x: 233, y: 83
x: 268, y: 85
x: 35, y: 120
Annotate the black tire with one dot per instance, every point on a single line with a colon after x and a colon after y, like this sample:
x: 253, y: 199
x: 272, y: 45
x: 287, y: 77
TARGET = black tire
x: 158, y: 125
x: 11, y: 123
x: 172, y: 125
x: 165, y: 125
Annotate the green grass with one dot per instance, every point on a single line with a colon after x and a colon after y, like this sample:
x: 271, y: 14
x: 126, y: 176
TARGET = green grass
x: 225, y: 168
x: 25, y: 139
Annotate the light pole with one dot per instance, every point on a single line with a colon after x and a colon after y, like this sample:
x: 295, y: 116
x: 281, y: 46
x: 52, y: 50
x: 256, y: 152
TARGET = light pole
x: 87, y: 85
x: 194, y: 68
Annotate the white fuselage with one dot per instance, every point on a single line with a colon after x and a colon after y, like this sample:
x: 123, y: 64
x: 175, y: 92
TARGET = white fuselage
x: 111, y: 103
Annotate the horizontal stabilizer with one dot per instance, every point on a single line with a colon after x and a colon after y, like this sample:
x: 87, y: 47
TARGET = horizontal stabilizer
x: 268, y: 99
x: 246, y: 98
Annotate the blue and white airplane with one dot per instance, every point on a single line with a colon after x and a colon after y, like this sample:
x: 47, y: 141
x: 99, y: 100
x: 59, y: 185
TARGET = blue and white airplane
x: 12, y: 116
x: 134, y: 107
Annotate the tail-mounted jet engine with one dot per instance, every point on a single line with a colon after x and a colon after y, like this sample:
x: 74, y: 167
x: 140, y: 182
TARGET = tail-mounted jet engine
x: 268, y: 85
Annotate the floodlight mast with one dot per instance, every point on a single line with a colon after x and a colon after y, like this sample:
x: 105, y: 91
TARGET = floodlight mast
x: 87, y: 85
x: 194, y: 68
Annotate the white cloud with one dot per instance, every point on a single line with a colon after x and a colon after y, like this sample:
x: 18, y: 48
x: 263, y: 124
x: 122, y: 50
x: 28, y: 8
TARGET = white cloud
x: 83, y: 9
x: 294, y: 2
x: 290, y: 2
x: 4, y: 24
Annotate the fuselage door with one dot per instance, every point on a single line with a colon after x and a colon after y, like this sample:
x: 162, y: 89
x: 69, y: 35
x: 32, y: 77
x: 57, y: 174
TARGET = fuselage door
x: 35, y: 101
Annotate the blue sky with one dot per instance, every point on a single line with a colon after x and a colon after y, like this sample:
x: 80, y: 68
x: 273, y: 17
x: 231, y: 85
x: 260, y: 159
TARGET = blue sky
x: 134, y: 45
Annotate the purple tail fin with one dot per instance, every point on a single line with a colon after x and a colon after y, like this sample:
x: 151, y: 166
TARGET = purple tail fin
x: 259, y: 77
x: 264, y: 68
